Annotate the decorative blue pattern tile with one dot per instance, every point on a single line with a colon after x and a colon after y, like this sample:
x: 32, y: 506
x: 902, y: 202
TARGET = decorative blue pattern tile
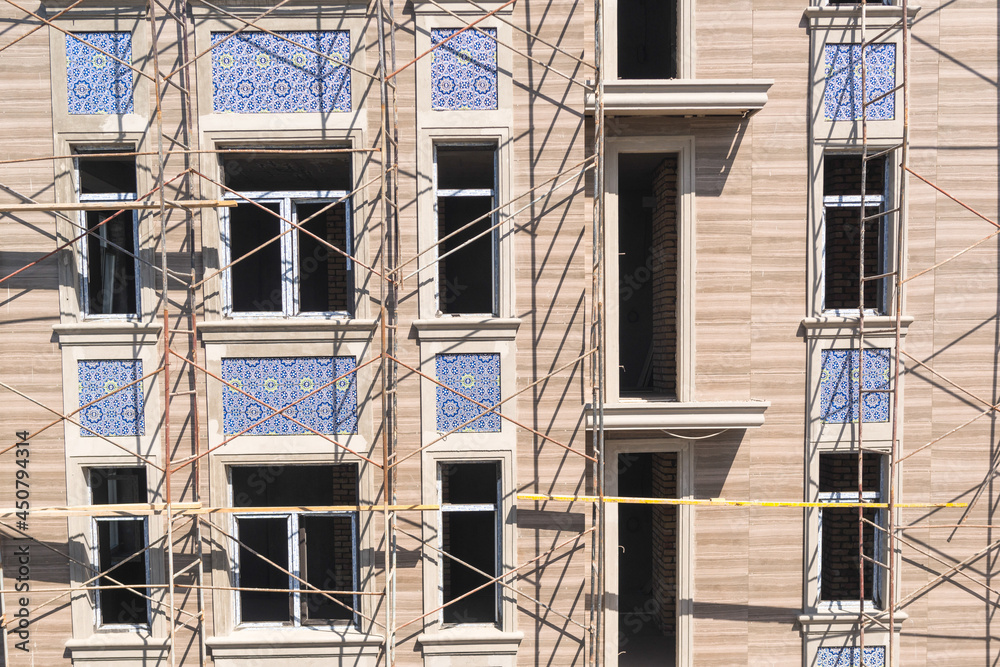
x: 96, y: 84
x: 842, y: 97
x: 850, y: 657
x: 476, y: 376
x: 464, y: 70
x: 255, y: 72
x: 120, y: 413
x: 839, y: 386
x: 281, y: 381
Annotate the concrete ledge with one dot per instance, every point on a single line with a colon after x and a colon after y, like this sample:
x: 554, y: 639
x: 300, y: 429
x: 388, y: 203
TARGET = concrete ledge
x: 839, y: 326
x: 462, y: 646
x: 287, y: 330
x: 682, y: 97
x: 466, y: 328
x: 126, y: 649
x: 107, y: 332
x: 303, y: 646
x: 642, y: 415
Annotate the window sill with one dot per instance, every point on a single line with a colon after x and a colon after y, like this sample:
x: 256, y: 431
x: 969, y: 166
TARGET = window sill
x: 279, y: 330
x: 674, y: 415
x: 838, y: 326
x: 841, y: 616
x: 682, y: 97
x: 881, y: 15
x: 307, y: 646
x: 107, y: 332
x: 457, y: 328
x: 442, y: 646
x: 121, y: 648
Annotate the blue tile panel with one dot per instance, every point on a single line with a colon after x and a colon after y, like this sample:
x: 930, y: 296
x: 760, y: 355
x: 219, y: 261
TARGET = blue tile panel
x: 839, y: 390
x: 95, y: 83
x: 476, y: 376
x: 255, y: 72
x: 121, y: 413
x: 850, y: 657
x: 842, y: 97
x: 283, y: 380
x: 464, y: 70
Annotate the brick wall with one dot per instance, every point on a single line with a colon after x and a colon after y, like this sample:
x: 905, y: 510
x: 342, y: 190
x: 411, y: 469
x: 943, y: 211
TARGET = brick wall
x: 664, y: 275
x: 665, y: 540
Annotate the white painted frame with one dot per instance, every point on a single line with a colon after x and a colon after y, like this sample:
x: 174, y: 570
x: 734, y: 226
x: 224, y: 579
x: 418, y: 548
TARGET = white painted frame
x: 684, y: 148
x: 685, y: 543
x: 96, y: 560
x: 685, y: 42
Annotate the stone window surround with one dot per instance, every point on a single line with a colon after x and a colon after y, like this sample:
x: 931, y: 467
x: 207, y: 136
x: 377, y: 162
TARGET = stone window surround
x: 71, y: 290
x: 308, y: 17
x: 442, y: 646
x: 684, y: 148
x: 116, y: 18
x: 817, y: 227
x: 685, y: 41
x: 427, y: 224
x: 842, y: 25
x: 685, y: 541
x: 363, y: 169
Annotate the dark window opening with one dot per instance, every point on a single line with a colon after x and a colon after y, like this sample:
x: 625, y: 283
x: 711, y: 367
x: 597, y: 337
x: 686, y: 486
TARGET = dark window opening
x: 842, y: 206
x: 262, y: 172
x: 466, y: 193
x: 470, y: 533
x: 318, y: 547
x: 119, y: 539
x: 325, y: 278
x: 647, y: 39
x: 839, y: 557
x: 647, y: 560
x: 111, y: 261
x: 256, y: 277
x: 647, y: 274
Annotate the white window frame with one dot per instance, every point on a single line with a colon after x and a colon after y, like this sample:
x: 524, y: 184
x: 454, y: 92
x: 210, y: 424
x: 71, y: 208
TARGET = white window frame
x: 878, y: 552
x: 289, y: 242
x: 494, y: 222
x: 294, y: 565
x: 685, y: 42
x: 111, y: 198
x: 95, y: 550
x: 885, y: 230
x: 496, y: 508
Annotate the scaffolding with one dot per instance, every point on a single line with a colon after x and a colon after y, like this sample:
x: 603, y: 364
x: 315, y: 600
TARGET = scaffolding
x: 184, y: 377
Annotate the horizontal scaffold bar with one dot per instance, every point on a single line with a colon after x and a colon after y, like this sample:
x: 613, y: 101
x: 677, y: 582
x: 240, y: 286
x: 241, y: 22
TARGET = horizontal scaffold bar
x: 722, y: 502
x: 188, y: 509
x: 118, y: 205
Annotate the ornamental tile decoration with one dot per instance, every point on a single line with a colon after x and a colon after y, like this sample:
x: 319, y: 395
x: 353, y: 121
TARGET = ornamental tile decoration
x: 255, y: 72
x: 280, y: 381
x: 476, y: 376
x: 842, y: 97
x: 839, y: 390
x: 464, y: 70
x: 95, y: 83
x: 850, y: 657
x: 121, y: 413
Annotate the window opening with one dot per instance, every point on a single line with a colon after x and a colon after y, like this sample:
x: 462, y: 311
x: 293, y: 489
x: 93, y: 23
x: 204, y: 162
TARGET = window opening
x: 466, y: 187
x: 318, y: 547
x: 647, y: 39
x: 647, y: 560
x: 842, y: 220
x: 110, y: 264
x: 838, y: 482
x: 115, y: 540
x: 647, y: 274
x: 296, y: 274
x: 470, y: 531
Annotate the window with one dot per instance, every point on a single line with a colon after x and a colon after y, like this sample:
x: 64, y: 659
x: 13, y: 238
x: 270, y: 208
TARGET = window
x: 279, y: 269
x: 470, y: 532
x: 842, y: 211
x: 465, y: 185
x: 647, y: 39
x: 319, y: 548
x: 110, y: 254
x: 117, y: 543
x: 647, y: 274
x: 839, y: 579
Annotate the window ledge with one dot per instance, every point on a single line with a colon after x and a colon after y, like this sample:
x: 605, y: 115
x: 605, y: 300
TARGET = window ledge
x: 838, y: 326
x: 881, y: 15
x: 680, y: 416
x: 321, y: 644
x: 121, y: 648
x: 682, y: 97
x: 846, y: 616
x: 299, y: 330
x: 97, y: 332
x: 440, y: 647
x: 466, y: 328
